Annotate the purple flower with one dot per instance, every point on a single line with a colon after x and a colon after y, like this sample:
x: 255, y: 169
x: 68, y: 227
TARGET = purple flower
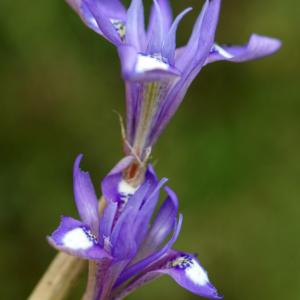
x: 125, y: 245
x: 156, y: 74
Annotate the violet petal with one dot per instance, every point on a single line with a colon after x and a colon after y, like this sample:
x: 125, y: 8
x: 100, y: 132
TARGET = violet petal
x: 76, y: 238
x: 258, y: 46
x: 85, y: 196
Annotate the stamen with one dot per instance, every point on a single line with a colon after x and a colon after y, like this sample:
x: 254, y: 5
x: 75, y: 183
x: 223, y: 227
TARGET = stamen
x: 182, y: 262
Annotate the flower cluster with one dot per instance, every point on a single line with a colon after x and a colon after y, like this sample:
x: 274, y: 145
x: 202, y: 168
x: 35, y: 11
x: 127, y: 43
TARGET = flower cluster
x: 129, y: 247
x: 156, y: 73
x: 127, y: 242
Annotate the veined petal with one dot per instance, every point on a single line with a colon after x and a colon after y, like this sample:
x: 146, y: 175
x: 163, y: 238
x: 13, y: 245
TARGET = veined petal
x: 123, y: 235
x: 110, y: 278
x: 169, y: 44
x: 134, y: 285
x: 142, y: 265
x: 258, y: 46
x: 184, y: 268
x: 76, y: 238
x: 85, y: 197
x: 190, y: 62
x: 106, y: 223
x: 187, y: 271
x: 135, y: 25
x: 146, y: 211
x: 162, y: 226
x: 123, y: 198
x: 132, y: 97
x: 122, y: 239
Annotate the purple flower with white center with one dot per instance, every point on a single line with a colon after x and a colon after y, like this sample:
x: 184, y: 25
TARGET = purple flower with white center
x: 128, y: 244
x: 156, y: 74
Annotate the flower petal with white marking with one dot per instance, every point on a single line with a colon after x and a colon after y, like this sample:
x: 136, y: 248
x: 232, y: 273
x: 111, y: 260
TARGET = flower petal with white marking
x: 141, y: 67
x: 110, y: 184
x: 187, y: 271
x: 76, y: 238
x: 257, y: 47
x: 89, y: 11
x: 184, y: 268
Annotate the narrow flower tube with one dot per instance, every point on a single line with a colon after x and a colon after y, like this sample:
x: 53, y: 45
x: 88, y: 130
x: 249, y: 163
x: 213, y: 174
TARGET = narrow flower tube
x: 132, y: 244
x: 156, y: 74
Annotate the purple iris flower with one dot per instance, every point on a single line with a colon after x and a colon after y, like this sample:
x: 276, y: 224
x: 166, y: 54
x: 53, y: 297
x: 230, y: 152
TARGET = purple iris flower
x: 128, y: 244
x: 156, y: 74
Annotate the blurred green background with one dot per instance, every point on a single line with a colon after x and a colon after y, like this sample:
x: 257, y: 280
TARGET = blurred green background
x: 231, y: 152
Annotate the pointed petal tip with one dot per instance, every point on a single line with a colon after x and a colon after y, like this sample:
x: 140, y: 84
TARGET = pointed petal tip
x: 76, y: 166
x: 85, y: 196
x: 258, y: 46
x: 78, y: 161
x: 151, y: 169
x: 172, y: 195
x: 169, y: 44
x: 187, y: 271
x: 164, y: 180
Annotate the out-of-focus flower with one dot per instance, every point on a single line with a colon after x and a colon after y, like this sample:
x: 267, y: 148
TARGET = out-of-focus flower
x: 157, y: 75
x: 125, y: 245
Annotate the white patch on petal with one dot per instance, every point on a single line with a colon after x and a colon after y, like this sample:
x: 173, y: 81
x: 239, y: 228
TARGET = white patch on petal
x: 77, y: 239
x: 126, y: 188
x: 149, y: 63
x: 191, y: 268
x: 126, y: 191
x: 223, y: 52
x: 196, y: 273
